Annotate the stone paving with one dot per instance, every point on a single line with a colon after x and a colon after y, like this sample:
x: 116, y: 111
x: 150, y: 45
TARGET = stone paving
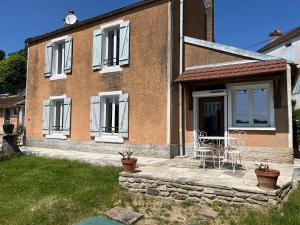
x: 88, y: 157
x: 182, y: 179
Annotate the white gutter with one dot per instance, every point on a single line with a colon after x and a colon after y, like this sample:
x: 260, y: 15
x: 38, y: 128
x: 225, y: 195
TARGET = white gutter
x: 180, y: 85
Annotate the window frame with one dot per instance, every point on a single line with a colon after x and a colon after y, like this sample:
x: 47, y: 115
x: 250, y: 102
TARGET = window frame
x: 56, y: 134
x: 54, y: 74
x: 268, y: 85
x: 104, y: 136
x: 116, y: 25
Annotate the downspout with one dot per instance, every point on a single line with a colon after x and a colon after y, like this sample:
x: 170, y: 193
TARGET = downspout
x: 289, y: 103
x: 180, y: 85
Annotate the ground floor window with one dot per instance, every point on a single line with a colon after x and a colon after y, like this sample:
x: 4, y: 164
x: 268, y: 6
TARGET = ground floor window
x: 252, y: 105
x: 109, y: 116
x: 56, y: 117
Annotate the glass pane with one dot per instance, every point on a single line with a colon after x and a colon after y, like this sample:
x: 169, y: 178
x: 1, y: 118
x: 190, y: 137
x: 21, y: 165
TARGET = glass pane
x: 58, y: 116
x: 118, y: 47
x: 260, y: 106
x: 110, y: 59
x: 116, y: 115
x: 60, y: 49
x: 108, y: 119
x: 242, y: 107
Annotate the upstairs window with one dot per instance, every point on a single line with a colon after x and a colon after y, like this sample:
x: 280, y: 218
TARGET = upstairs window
x: 58, y: 58
x: 111, y: 47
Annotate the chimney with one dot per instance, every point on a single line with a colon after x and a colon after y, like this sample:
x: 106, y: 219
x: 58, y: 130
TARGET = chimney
x: 209, y: 20
x: 274, y: 35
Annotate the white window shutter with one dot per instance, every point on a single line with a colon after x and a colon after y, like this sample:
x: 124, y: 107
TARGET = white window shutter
x: 67, y: 116
x: 97, y: 49
x: 123, y: 115
x: 68, y: 55
x: 95, y: 111
x: 48, y: 59
x: 46, y: 117
x: 124, y: 43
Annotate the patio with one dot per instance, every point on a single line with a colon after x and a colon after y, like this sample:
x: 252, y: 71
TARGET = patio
x: 183, y: 179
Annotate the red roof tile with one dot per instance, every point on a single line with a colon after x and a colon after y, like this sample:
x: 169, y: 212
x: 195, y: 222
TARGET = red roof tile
x: 9, y: 101
x: 232, y: 71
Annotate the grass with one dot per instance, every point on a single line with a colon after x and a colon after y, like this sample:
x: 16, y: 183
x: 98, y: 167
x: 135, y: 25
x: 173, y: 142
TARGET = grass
x: 36, y: 190
x: 286, y: 214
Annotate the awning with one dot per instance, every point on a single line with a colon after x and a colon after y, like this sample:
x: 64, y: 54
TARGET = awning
x: 233, y: 71
x: 10, y: 101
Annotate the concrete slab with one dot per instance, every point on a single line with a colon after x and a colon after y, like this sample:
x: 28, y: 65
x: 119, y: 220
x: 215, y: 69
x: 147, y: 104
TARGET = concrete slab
x: 124, y: 215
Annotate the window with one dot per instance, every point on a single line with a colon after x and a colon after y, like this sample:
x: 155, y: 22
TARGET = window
x: 15, y: 111
x: 58, y: 58
x: 56, y: 117
x: 111, y: 47
x: 109, y: 117
x: 252, y: 106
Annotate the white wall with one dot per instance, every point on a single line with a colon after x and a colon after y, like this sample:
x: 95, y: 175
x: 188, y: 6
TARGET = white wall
x: 291, y: 53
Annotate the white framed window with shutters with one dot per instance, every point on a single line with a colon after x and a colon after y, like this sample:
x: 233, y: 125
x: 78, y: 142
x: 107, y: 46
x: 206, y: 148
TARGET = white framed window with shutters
x: 56, y: 117
x: 58, y: 58
x: 109, y: 117
x: 251, y: 106
x: 111, y: 47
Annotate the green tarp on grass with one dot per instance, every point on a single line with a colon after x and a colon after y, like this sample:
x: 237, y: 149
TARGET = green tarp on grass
x: 98, y: 221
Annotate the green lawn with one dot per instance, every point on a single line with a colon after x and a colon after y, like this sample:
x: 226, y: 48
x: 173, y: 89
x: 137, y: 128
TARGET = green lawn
x: 39, y: 191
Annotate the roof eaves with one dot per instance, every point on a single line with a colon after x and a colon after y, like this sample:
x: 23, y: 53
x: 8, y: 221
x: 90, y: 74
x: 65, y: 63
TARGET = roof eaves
x: 228, y: 49
x: 91, y: 20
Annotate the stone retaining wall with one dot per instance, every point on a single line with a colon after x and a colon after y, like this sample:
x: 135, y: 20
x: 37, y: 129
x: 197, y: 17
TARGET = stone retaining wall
x: 202, y: 193
x: 145, y: 150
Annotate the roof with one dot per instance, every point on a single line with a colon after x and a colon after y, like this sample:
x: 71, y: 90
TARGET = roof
x: 233, y: 71
x: 288, y: 35
x: 228, y: 49
x: 91, y: 20
x: 9, y: 101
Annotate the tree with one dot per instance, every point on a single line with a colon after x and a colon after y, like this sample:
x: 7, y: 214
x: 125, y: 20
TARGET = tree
x: 13, y: 72
x: 2, y: 55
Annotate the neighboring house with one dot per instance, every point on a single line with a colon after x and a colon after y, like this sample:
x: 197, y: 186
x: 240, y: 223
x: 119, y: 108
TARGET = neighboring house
x: 287, y: 46
x: 12, y: 109
x: 144, y: 77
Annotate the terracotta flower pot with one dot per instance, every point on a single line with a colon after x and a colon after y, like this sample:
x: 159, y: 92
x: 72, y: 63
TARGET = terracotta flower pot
x: 129, y: 164
x: 267, y: 179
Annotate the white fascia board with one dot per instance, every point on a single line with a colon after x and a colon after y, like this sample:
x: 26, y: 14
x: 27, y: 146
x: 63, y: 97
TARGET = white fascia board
x: 228, y: 49
x: 221, y: 64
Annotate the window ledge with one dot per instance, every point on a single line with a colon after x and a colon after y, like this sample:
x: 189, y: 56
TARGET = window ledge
x: 253, y: 128
x: 109, y: 139
x: 58, y: 77
x: 56, y: 136
x: 111, y: 69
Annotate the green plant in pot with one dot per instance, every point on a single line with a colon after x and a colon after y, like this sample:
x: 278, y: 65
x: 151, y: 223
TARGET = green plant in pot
x: 8, y: 128
x: 266, y: 177
x: 128, y: 162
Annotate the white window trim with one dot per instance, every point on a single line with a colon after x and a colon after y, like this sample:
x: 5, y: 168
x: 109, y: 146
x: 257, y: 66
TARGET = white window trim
x: 106, y: 137
x: 110, y: 69
x: 56, y: 135
x: 55, y: 76
x: 249, y: 85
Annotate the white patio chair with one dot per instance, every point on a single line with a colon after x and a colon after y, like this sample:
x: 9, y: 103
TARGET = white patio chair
x: 236, y: 149
x: 202, y: 149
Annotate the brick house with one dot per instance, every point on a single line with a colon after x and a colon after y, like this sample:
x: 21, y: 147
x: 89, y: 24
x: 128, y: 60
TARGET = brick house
x: 145, y: 76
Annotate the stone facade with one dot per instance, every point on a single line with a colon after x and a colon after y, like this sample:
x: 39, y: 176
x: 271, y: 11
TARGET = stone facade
x: 202, y: 193
x: 145, y: 150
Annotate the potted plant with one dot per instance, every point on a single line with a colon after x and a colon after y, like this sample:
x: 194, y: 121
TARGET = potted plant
x: 8, y: 128
x: 128, y: 162
x: 266, y: 177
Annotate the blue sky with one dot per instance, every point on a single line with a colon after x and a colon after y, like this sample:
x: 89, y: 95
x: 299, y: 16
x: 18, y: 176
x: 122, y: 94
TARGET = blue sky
x: 237, y: 23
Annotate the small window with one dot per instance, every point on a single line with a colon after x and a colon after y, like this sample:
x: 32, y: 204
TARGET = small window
x: 57, y: 110
x: 14, y: 111
x: 110, y: 115
x: 112, y: 45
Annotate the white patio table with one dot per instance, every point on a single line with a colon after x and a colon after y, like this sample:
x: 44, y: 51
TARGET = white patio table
x: 219, y: 148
